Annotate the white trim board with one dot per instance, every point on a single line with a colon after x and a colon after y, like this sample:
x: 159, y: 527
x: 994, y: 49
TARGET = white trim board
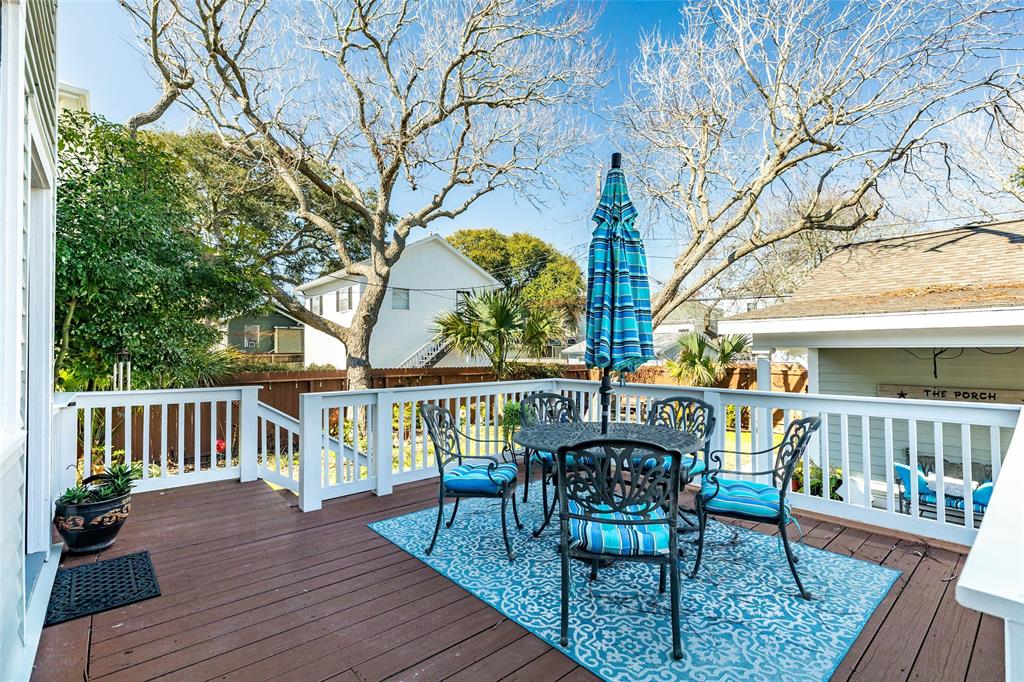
x: 35, y: 614
x: 980, y: 318
x: 985, y: 328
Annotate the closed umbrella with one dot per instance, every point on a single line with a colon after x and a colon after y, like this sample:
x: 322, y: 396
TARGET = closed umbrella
x: 619, y: 335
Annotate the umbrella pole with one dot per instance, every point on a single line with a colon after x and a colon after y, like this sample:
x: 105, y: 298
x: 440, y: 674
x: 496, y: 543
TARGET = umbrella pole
x: 605, y: 391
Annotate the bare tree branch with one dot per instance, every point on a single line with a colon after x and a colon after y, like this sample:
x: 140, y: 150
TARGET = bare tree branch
x: 757, y: 106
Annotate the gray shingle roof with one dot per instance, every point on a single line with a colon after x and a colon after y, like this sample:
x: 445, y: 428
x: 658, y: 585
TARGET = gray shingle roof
x: 967, y: 267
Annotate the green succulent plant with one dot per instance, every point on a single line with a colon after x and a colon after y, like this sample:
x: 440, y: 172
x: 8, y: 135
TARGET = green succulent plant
x: 116, y: 481
x: 75, y: 495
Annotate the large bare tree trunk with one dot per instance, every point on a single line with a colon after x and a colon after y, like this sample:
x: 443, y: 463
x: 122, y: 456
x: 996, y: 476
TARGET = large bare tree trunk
x: 361, y: 331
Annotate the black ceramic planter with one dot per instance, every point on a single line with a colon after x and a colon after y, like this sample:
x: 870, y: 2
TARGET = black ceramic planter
x: 91, y: 526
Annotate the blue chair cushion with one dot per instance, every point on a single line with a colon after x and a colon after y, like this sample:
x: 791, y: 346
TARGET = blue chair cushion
x: 695, y: 465
x: 473, y: 478
x: 951, y: 502
x: 742, y: 497
x: 590, y: 535
x: 548, y: 459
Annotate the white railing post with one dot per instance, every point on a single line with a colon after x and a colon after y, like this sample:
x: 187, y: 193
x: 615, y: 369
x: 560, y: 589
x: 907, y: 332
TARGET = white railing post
x: 714, y: 399
x: 311, y: 426
x: 66, y: 444
x: 761, y: 422
x: 383, y: 442
x: 247, y: 433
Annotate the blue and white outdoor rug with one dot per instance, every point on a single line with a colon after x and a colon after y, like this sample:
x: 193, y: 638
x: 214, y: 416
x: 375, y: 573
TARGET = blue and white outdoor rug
x: 742, y: 619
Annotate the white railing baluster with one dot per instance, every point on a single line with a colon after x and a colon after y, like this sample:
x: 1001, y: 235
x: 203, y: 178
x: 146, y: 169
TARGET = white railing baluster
x: 915, y: 492
x: 890, y: 502
x: 181, y: 439
x: 229, y: 435
x: 968, y: 478
x: 214, y: 459
x: 865, y: 437
x: 844, y: 450
x: 163, y: 440
x: 940, y: 482
x: 197, y: 425
x: 127, y: 431
x: 145, y: 441
x: 86, y: 443
x: 825, y: 464
x: 108, y: 417
x: 807, y: 467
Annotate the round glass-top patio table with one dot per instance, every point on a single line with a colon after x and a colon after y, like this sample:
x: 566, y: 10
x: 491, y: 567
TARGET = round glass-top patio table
x: 550, y: 437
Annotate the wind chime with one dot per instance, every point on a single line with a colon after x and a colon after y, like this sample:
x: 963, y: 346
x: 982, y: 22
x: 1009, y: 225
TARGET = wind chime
x: 122, y: 371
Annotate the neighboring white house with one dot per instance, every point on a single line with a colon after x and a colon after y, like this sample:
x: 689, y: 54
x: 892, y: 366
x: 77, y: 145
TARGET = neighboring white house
x: 431, y: 277
x: 938, y: 315
x: 28, y: 143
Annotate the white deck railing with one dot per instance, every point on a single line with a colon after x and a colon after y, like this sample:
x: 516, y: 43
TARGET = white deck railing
x: 180, y: 437
x: 353, y: 441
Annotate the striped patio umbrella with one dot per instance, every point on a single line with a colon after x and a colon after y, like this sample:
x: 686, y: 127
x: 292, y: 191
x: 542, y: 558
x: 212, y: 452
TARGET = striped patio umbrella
x: 619, y: 335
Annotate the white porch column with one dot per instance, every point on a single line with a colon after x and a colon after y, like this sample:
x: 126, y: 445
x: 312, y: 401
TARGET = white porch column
x: 813, y: 380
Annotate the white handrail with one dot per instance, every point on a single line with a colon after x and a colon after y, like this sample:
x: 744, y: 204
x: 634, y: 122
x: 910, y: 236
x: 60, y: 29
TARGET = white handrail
x: 992, y: 580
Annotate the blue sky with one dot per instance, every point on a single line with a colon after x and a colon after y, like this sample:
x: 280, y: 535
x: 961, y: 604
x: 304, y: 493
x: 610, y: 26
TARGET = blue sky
x: 97, y: 51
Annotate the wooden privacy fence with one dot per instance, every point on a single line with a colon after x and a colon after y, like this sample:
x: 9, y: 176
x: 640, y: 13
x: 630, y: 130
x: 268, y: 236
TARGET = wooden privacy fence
x: 281, y: 390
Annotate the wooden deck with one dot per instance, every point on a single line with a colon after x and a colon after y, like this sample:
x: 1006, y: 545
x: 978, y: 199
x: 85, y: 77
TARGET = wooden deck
x: 254, y: 590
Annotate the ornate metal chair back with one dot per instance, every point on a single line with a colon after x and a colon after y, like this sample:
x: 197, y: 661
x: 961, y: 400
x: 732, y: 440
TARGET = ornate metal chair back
x: 791, y: 450
x: 443, y: 434
x: 599, y: 480
x: 547, y: 408
x: 689, y: 415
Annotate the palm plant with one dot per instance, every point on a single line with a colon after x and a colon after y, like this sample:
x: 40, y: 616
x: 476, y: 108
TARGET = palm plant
x: 498, y: 325
x: 702, y: 361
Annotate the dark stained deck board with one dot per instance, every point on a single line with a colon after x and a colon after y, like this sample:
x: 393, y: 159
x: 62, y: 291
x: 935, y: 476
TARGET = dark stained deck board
x: 255, y: 590
x: 987, y: 660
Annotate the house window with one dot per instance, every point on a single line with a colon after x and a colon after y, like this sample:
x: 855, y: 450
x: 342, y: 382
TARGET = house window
x: 460, y: 299
x: 316, y: 305
x: 400, y: 299
x: 344, y: 299
x: 252, y: 336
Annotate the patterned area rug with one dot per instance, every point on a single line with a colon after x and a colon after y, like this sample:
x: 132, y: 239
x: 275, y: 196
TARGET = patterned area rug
x: 742, y: 619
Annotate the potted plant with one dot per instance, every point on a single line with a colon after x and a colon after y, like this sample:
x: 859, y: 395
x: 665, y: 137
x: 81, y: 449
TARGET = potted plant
x: 90, y: 515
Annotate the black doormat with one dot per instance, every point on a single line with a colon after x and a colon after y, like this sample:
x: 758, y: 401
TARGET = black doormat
x: 104, y: 585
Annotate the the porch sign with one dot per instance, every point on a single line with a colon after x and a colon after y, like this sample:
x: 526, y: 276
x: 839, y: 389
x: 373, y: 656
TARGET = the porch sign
x: 970, y: 395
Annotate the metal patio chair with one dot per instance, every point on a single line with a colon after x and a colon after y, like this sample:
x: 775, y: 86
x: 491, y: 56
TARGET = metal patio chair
x: 493, y: 479
x: 608, y: 510
x: 544, y: 408
x: 692, y: 416
x: 754, y: 501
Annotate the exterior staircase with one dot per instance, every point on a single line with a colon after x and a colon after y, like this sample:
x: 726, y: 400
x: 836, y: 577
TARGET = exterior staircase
x: 427, y: 355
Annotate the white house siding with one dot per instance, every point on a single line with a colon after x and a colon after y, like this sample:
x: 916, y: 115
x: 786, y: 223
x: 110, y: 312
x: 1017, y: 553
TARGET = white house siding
x: 858, y: 371
x: 432, y: 273
x: 27, y: 162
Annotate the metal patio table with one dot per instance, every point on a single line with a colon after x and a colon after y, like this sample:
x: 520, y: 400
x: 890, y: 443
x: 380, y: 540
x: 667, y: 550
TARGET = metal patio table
x: 550, y: 437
